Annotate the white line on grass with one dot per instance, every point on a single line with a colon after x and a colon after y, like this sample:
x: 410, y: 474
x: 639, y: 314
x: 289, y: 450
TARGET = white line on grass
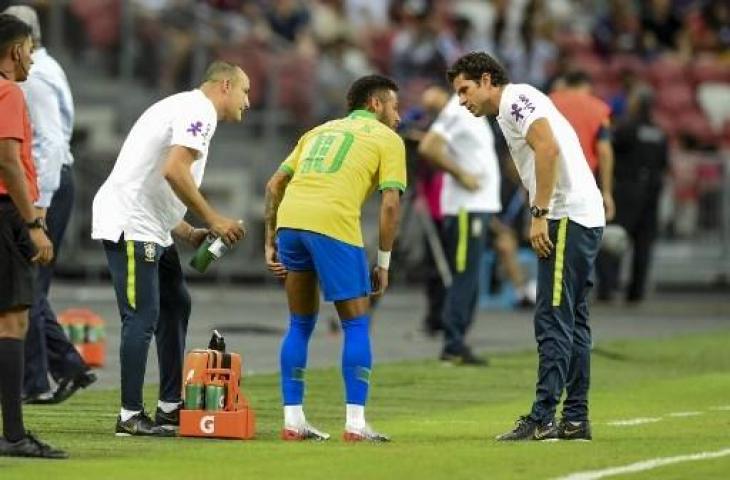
x: 634, y: 421
x: 721, y: 408
x: 645, y: 465
x: 685, y: 414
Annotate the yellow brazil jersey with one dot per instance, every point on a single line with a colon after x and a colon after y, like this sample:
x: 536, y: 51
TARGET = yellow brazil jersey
x: 334, y: 168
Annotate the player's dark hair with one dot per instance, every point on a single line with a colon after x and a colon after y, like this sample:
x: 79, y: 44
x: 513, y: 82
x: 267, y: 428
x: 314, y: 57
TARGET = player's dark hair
x: 576, y: 78
x: 365, y: 87
x: 473, y: 65
x: 12, y: 30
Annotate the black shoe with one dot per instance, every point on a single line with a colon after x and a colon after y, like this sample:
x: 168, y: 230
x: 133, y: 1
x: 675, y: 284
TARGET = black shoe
x: 170, y: 419
x: 45, y: 398
x: 528, y: 429
x: 466, y: 357
x: 142, y: 425
x: 30, y: 446
x: 68, y: 386
x: 568, y: 430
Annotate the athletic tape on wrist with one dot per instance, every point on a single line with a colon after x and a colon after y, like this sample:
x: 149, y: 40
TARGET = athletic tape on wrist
x: 383, y: 259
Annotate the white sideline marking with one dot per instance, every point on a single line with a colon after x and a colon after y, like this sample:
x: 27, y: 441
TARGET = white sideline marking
x: 644, y: 465
x: 634, y: 421
x: 685, y: 414
x: 721, y: 408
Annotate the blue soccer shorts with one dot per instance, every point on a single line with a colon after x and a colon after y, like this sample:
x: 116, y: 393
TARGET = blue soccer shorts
x: 342, y: 269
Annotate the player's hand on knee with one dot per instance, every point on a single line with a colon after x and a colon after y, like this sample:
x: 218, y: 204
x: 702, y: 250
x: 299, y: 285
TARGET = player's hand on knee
x: 272, y: 262
x: 230, y: 230
x: 379, y: 280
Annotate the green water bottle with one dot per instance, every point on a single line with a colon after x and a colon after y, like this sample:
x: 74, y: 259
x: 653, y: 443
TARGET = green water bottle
x: 209, y: 251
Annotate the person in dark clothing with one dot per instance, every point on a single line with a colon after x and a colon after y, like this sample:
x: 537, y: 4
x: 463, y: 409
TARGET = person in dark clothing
x: 642, y: 159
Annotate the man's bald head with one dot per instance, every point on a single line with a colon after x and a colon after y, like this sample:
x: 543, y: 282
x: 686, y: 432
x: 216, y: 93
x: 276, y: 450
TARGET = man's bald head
x: 434, y: 99
x: 220, y: 70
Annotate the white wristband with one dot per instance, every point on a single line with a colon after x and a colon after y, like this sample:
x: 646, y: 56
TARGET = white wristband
x: 383, y: 259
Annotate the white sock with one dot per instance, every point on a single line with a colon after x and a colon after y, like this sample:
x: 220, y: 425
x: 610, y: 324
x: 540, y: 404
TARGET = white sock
x: 168, y: 407
x: 355, y: 417
x: 127, y: 414
x: 294, y: 416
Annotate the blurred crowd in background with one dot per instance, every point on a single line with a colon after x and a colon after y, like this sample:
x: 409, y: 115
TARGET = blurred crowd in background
x: 302, y: 55
x: 676, y: 46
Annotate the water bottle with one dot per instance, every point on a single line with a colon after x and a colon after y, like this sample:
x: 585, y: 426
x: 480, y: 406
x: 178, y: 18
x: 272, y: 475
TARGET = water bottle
x: 209, y: 251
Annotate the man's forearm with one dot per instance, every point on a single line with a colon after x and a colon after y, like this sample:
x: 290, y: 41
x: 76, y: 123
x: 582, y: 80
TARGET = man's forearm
x: 546, y: 163
x: 274, y: 194
x: 605, y: 165
x: 389, y: 219
x: 14, y: 180
x: 183, y: 230
x: 184, y: 187
x: 433, y: 149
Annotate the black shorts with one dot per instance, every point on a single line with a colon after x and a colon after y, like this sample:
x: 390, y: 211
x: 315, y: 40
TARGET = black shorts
x: 16, y: 249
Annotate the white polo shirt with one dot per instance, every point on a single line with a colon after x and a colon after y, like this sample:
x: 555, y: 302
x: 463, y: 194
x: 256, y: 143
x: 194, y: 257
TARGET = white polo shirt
x: 576, y: 194
x: 136, y: 200
x: 471, y: 145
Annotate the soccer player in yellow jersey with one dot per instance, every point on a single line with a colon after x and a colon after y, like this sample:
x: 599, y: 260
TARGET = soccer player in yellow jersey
x: 313, y: 240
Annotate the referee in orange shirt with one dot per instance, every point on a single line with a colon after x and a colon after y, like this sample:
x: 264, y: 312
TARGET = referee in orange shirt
x: 590, y: 118
x: 22, y: 237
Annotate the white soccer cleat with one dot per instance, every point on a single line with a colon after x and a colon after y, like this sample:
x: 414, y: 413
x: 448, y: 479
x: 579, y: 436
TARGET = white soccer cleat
x: 305, y: 432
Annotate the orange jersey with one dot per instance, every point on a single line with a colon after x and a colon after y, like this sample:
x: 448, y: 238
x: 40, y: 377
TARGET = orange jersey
x: 586, y: 114
x: 15, y: 124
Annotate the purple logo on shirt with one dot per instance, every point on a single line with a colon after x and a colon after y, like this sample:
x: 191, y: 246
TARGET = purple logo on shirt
x: 195, y: 128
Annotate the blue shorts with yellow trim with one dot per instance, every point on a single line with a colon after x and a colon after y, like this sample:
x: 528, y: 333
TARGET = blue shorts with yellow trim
x: 342, y: 269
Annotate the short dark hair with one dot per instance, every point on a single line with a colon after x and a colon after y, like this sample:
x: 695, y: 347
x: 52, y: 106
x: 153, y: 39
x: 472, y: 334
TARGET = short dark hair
x: 219, y: 70
x: 365, y: 87
x: 576, y: 78
x: 12, y: 30
x: 473, y: 65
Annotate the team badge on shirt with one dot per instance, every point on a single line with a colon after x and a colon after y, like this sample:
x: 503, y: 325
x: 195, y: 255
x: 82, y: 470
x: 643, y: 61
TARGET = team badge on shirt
x: 149, y: 252
x: 195, y: 128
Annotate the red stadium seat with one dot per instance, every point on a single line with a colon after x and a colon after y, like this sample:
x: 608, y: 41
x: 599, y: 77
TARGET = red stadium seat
x: 590, y: 63
x: 709, y: 69
x: 666, y: 70
x: 620, y: 64
x: 694, y: 124
x: 675, y: 98
x: 572, y: 43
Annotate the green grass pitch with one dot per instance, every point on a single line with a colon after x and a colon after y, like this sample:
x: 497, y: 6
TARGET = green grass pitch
x: 442, y: 419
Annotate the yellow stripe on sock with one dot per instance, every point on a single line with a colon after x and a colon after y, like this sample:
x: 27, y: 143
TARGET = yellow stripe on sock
x: 131, y: 287
x: 463, y: 241
x: 559, y: 260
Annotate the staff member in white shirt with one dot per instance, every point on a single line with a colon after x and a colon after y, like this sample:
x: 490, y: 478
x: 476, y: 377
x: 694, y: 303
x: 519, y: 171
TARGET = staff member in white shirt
x: 462, y: 146
x: 153, y: 183
x: 51, y: 109
x: 567, y: 225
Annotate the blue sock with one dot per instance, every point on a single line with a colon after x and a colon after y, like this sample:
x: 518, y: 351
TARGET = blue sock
x: 293, y: 358
x: 357, y: 359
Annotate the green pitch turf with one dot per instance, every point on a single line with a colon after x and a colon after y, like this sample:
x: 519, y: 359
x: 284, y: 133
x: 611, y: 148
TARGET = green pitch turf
x: 442, y: 420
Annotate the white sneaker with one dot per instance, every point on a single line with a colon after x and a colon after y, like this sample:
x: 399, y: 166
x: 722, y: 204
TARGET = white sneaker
x: 366, y: 434
x: 305, y: 432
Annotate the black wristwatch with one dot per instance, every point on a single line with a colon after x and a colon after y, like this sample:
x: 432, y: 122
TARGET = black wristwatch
x: 538, y: 212
x: 38, y: 222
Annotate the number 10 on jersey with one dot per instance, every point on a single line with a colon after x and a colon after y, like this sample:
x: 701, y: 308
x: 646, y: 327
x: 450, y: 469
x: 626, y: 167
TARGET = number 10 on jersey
x: 321, y: 151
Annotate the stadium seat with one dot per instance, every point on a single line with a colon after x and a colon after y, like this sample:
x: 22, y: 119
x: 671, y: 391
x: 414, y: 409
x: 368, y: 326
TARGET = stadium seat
x: 676, y: 98
x: 694, y: 124
x: 666, y: 71
x: 709, y: 69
